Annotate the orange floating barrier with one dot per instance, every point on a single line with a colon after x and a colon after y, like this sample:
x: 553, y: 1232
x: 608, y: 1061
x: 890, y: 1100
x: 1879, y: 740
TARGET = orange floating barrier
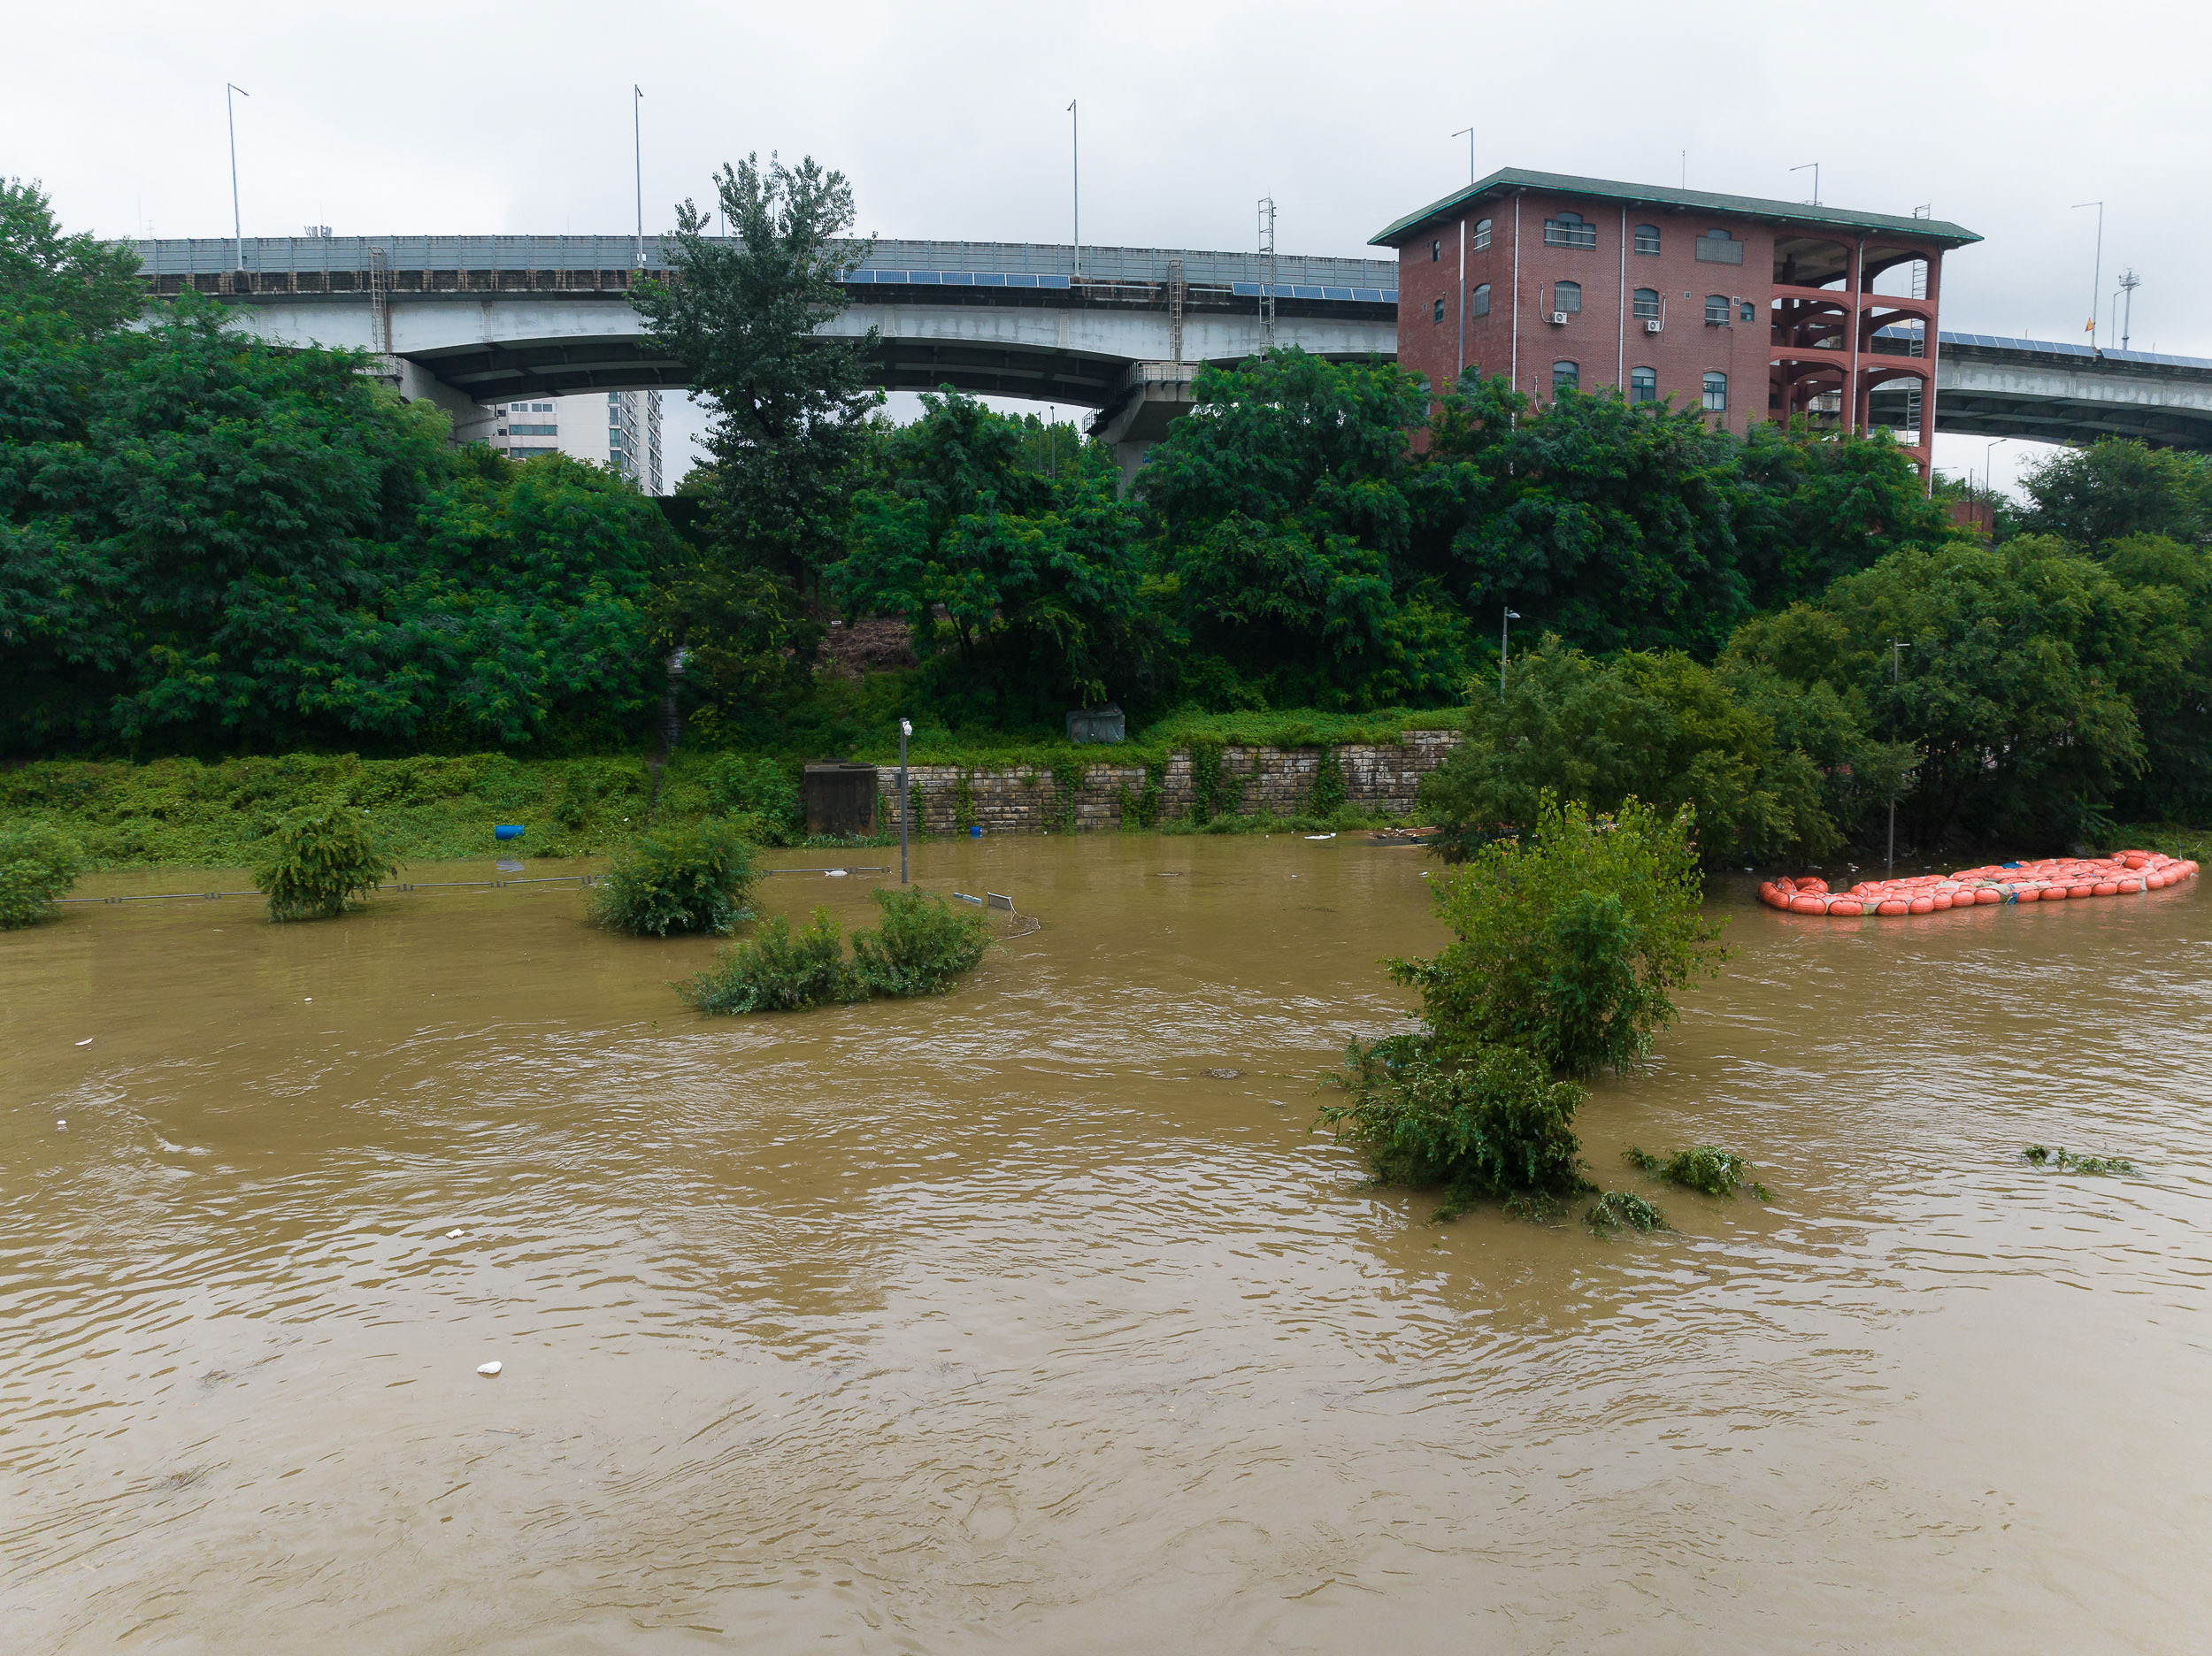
x: 2052, y: 879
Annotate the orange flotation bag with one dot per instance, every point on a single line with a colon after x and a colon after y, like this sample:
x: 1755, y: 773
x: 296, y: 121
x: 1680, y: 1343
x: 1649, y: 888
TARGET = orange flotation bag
x: 2052, y: 879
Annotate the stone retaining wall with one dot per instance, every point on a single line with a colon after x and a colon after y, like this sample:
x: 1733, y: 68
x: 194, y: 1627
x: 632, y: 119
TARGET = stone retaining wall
x: 1377, y: 778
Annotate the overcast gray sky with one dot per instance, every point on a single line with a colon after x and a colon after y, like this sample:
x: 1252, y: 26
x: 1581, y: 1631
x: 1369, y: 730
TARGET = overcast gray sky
x: 951, y: 120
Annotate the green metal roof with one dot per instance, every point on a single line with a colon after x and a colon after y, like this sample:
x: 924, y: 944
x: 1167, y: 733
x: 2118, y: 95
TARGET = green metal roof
x: 1507, y: 180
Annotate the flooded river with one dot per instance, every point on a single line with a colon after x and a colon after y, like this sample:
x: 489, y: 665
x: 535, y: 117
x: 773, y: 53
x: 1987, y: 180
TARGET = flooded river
x: 1033, y: 1318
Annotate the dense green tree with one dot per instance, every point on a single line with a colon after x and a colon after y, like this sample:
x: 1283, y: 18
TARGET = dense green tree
x: 1825, y: 504
x: 1030, y: 578
x: 208, y: 542
x: 1616, y: 525
x: 1281, y: 519
x: 1653, y: 726
x: 2011, y: 686
x: 790, y: 405
x: 2117, y: 487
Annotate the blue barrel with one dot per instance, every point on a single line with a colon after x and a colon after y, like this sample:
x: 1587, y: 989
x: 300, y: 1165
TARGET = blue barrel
x: 506, y: 830
x: 975, y: 831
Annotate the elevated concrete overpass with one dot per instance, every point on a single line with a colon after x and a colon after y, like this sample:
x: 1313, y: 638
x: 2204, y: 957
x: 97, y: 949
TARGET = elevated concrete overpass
x: 467, y: 320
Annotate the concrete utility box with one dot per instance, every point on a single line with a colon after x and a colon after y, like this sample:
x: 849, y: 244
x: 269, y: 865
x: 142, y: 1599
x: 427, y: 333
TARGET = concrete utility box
x: 840, y: 798
x: 1098, y: 725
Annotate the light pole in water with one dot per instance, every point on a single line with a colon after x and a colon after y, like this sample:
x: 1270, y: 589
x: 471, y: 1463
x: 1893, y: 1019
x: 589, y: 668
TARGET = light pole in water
x: 1505, y: 625
x: 1896, y: 645
x: 906, y: 729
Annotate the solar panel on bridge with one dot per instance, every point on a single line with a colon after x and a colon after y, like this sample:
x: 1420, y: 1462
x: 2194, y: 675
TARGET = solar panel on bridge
x: 950, y: 278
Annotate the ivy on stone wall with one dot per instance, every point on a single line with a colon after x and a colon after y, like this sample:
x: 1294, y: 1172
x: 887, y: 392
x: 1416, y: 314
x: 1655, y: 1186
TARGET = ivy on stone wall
x: 1327, y: 795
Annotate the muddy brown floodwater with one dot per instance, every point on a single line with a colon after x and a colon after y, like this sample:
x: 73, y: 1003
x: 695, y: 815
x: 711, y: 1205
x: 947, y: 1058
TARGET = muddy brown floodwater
x: 1032, y: 1317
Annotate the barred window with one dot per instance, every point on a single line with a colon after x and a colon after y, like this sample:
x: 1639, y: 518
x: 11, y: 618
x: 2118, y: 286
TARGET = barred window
x: 1716, y: 310
x: 1482, y: 234
x: 1565, y: 376
x: 1643, y: 385
x: 1647, y: 238
x: 1569, y: 230
x: 1717, y: 393
x: 1566, y: 296
x: 1478, y: 300
x: 1644, y: 306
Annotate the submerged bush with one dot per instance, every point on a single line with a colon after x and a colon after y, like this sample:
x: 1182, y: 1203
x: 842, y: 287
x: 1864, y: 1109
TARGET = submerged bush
x: 761, y: 789
x: 678, y: 879
x: 1619, y: 1210
x: 38, y: 864
x: 779, y: 970
x: 1570, y: 939
x: 2066, y: 1161
x: 922, y: 946
x: 1700, y: 1168
x: 1492, y: 1122
x: 316, y: 861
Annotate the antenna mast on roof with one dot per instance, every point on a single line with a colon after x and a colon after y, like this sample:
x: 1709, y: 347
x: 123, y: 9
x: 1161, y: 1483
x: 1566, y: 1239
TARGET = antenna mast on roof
x: 1267, y: 274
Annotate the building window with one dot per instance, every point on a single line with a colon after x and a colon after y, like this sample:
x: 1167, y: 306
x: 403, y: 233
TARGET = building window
x: 1440, y: 311
x: 1436, y: 250
x: 1745, y: 313
x: 1717, y: 393
x: 1644, y: 306
x: 1565, y: 376
x: 1482, y: 234
x: 1717, y: 247
x: 1643, y: 385
x: 1566, y: 296
x: 1647, y: 238
x: 535, y: 430
x: 1569, y: 230
x: 1716, y: 310
x: 1478, y: 300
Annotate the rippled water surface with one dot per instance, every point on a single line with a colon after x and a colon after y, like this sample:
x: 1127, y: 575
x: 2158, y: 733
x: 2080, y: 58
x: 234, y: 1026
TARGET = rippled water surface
x: 1012, y: 1321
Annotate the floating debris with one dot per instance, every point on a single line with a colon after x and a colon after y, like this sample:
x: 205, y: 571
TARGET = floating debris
x: 490, y: 1371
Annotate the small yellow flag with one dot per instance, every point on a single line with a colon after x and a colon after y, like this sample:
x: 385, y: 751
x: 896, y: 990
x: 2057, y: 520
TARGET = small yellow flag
x: 2089, y: 327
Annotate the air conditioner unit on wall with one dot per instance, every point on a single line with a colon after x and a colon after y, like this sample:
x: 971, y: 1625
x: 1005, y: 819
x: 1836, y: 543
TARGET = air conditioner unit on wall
x: 1559, y: 319
x: 1651, y: 324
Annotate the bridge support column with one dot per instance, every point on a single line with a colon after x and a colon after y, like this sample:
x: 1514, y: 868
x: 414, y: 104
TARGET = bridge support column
x: 1152, y: 395
x: 472, y: 422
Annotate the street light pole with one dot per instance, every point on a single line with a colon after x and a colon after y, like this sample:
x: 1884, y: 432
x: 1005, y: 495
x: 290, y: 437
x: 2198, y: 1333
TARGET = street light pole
x: 1075, y: 177
x: 1468, y: 133
x: 1505, y: 625
x: 237, y: 224
x: 637, y: 152
x: 1816, y: 167
x: 2096, y: 280
x: 1895, y: 647
x: 906, y: 729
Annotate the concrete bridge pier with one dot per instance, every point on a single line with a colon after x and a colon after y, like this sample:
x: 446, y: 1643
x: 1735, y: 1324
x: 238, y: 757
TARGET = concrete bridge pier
x: 472, y: 422
x: 1151, y: 395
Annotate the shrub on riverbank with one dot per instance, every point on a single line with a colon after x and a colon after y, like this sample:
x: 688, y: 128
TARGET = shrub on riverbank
x: 695, y: 879
x: 317, y: 862
x: 1621, y: 1210
x: 38, y: 864
x: 1492, y: 1122
x: 923, y: 948
x: 1569, y: 940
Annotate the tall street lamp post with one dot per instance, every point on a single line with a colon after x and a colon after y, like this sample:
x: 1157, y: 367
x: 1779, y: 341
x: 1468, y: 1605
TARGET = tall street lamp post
x: 1505, y: 626
x: 906, y: 729
x: 237, y: 224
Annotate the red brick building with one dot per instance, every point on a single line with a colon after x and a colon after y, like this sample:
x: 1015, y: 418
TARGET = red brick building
x: 1749, y: 309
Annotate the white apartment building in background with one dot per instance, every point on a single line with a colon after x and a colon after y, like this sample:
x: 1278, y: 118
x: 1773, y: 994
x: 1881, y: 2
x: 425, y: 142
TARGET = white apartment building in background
x: 618, y: 429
